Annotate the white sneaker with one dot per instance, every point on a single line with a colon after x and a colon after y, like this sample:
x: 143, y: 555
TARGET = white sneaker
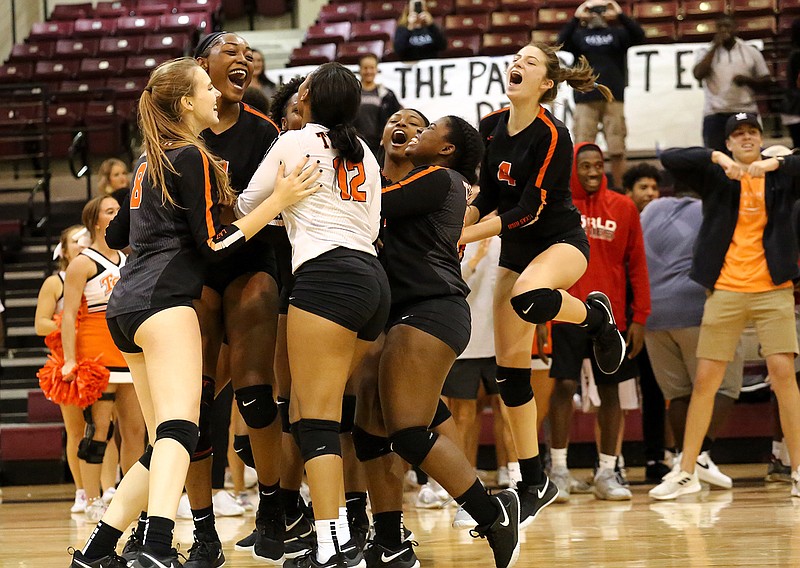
x: 514, y: 473
x: 108, y: 494
x: 503, y: 479
x: 184, y: 509
x: 243, y: 500
x: 607, y: 486
x: 796, y: 483
x: 225, y: 505
x: 410, y: 479
x: 463, y: 520
x: 95, y: 509
x: 561, y: 478
x: 250, y: 477
x: 708, y: 471
x: 676, y: 484
x: 305, y: 492
x: 429, y: 498
x: 79, y: 506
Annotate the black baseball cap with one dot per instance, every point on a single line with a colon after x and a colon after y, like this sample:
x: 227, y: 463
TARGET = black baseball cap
x: 736, y: 120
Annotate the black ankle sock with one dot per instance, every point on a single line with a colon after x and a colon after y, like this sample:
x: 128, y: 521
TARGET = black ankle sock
x: 707, y: 442
x: 356, y: 502
x: 532, y: 471
x: 204, y: 526
x: 269, y: 501
x: 388, y: 528
x: 478, y: 504
x: 158, y: 535
x: 102, y: 542
x: 139, y: 530
x: 595, y: 318
x: 290, y: 501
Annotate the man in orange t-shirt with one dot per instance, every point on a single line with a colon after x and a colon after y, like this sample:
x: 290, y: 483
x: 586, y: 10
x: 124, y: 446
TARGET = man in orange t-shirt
x: 748, y: 198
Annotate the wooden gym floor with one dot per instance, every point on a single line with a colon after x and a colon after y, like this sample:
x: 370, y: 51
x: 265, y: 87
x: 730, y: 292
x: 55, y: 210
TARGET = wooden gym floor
x: 754, y: 525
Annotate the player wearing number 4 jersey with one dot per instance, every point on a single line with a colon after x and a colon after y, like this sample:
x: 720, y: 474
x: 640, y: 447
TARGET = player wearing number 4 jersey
x: 525, y: 177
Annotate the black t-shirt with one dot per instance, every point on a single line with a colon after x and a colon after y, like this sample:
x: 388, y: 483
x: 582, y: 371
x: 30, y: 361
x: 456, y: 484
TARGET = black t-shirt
x: 526, y: 177
x: 368, y: 121
x: 424, y: 216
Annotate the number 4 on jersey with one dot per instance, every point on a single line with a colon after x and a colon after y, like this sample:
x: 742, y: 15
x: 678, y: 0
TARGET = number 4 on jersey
x: 350, y: 177
x: 504, y: 173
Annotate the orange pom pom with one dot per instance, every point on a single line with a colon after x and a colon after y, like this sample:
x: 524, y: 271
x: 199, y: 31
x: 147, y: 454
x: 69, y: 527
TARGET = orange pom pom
x: 91, y: 380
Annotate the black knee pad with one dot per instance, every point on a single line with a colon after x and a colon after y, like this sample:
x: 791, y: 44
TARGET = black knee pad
x: 256, y: 405
x: 182, y: 431
x: 91, y: 451
x: 413, y: 444
x: 348, y: 413
x: 369, y: 446
x: 109, y: 396
x: 441, y: 416
x: 205, y: 444
x: 243, y: 449
x: 537, y: 306
x: 283, y: 409
x: 317, y: 438
x: 514, y: 385
x: 146, y: 457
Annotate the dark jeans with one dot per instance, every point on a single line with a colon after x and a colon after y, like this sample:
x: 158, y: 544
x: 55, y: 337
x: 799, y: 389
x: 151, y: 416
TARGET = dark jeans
x: 714, y: 131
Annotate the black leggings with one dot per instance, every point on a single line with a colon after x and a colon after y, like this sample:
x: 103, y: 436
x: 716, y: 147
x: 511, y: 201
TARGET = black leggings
x: 653, y: 409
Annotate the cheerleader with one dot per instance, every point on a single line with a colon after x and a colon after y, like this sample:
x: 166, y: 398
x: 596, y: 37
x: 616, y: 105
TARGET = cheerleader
x: 525, y: 177
x: 172, y: 225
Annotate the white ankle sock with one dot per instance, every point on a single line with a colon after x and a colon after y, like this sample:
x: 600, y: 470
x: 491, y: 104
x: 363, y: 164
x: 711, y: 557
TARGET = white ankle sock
x: 558, y: 457
x: 777, y: 448
x: 513, y: 472
x: 327, y: 531
x: 607, y: 462
x: 784, y: 457
x: 343, y: 527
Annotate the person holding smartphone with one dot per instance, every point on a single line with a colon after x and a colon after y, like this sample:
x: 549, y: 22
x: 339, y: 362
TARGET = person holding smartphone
x: 417, y: 36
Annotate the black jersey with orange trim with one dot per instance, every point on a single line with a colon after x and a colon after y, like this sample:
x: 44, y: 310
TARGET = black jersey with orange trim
x: 243, y: 145
x: 170, y: 244
x: 424, y: 215
x: 526, y: 177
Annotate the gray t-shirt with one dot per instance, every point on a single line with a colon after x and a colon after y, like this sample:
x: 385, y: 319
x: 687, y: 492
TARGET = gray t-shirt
x: 722, y: 94
x: 670, y: 226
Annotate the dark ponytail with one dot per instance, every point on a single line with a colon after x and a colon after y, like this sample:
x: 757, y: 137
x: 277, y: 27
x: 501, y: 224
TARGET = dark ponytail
x: 469, y: 148
x: 335, y: 97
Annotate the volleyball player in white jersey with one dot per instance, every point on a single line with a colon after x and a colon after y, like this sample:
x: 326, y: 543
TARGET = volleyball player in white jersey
x: 340, y: 295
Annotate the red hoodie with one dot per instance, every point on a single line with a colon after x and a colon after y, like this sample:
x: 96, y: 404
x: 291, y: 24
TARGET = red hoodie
x: 611, y: 221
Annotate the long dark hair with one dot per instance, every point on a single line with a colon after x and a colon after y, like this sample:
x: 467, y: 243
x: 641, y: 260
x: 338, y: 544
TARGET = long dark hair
x: 469, y: 147
x: 335, y: 97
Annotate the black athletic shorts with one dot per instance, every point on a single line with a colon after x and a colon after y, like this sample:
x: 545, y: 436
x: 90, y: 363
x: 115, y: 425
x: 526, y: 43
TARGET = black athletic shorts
x: 283, y: 261
x: 447, y: 318
x: 517, y: 256
x: 123, y: 327
x: 571, y: 345
x: 464, y: 379
x: 257, y: 255
x: 347, y: 287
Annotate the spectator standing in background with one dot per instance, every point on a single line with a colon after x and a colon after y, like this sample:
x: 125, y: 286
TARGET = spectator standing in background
x: 260, y: 80
x: 417, y: 36
x: 113, y: 179
x: 606, y: 48
x: 377, y: 103
x: 730, y: 70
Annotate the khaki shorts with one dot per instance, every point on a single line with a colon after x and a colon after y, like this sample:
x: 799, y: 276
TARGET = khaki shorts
x: 673, y: 356
x: 587, y: 118
x: 727, y: 313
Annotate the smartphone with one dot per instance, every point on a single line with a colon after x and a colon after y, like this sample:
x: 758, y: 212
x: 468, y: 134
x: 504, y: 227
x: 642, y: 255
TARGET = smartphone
x: 418, y: 6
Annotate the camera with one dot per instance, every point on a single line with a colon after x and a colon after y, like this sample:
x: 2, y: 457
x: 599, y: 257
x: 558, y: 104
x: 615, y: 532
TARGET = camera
x: 418, y: 6
x: 598, y: 10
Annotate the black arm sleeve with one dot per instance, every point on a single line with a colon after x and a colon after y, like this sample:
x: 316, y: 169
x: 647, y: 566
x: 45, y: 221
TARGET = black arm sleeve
x: 420, y: 193
x: 636, y: 34
x: 401, y: 36
x: 118, y: 231
x: 690, y: 166
x: 565, y: 36
x: 439, y: 41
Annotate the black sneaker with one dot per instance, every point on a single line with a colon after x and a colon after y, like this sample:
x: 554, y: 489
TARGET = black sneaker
x: 132, y: 547
x: 534, y: 498
x: 268, y: 546
x: 149, y: 559
x: 655, y: 471
x: 359, y: 533
x: 349, y: 556
x: 299, y: 537
x: 503, y: 533
x: 110, y: 561
x: 378, y: 556
x: 205, y: 554
x: 408, y: 536
x: 247, y: 543
x: 609, y: 345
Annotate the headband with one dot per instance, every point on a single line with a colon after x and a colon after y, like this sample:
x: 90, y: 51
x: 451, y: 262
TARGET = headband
x: 206, y: 43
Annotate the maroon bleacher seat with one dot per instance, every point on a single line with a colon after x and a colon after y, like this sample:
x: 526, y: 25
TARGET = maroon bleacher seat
x: 133, y: 25
x: 42, y: 410
x: 519, y: 4
x: 272, y: 8
x: 205, y: 6
x: 173, y: 45
x: 758, y: 27
x: 789, y: 6
x: 50, y: 30
x: 56, y: 70
x: 349, y: 12
x: 329, y: 32
x: 785, y: 24
x: 120, y: 45
x: 127, y: 87
x: 154, y: 7
x: 82, y: 86
x: 466, y: 24
x: 70, y: 12
x: 114, y: 9
x: 234, y: 8
x: 380, y: 29
x: 21, y: 442
x: 19, y: 114
x: 570, y: 5
x: 519, y: 21
x: 441, y: 7
x: 96, y: 27
x: 144, y: 64
x: 702, y: 9
x: 545, y: 36
x: 503, y: 43
x: 753, y: 7
x: 476, y: 6
x: 102, y: 66
x: 17, y: 72
x: 659, y: 32
x: 67, y: 48
x: 462, y: 46
x: 552, y: 17
x: 696, y: 30
x: 379, y: 10
x: 351, y: 52
x: 312, y: 54
x: 31, y: 51
x: 185, y: 23
x: 655, y: 11
x: 105, y: 131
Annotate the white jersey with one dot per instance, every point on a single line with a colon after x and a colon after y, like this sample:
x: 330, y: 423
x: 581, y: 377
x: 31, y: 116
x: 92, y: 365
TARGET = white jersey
x: 98, y: 289
x: 345, y: 212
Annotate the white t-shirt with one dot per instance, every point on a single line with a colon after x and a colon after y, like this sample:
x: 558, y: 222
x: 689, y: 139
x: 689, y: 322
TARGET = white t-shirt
x: 722, y: 94
x: 345, y: 212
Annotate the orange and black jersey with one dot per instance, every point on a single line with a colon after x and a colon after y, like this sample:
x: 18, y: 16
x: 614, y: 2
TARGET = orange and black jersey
x: 169, y: 243
x: 243, y: 145
x: 424, y: 215
x: 526, y: 177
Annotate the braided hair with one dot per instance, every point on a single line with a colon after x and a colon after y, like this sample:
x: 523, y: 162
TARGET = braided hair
x: 468, y: 147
